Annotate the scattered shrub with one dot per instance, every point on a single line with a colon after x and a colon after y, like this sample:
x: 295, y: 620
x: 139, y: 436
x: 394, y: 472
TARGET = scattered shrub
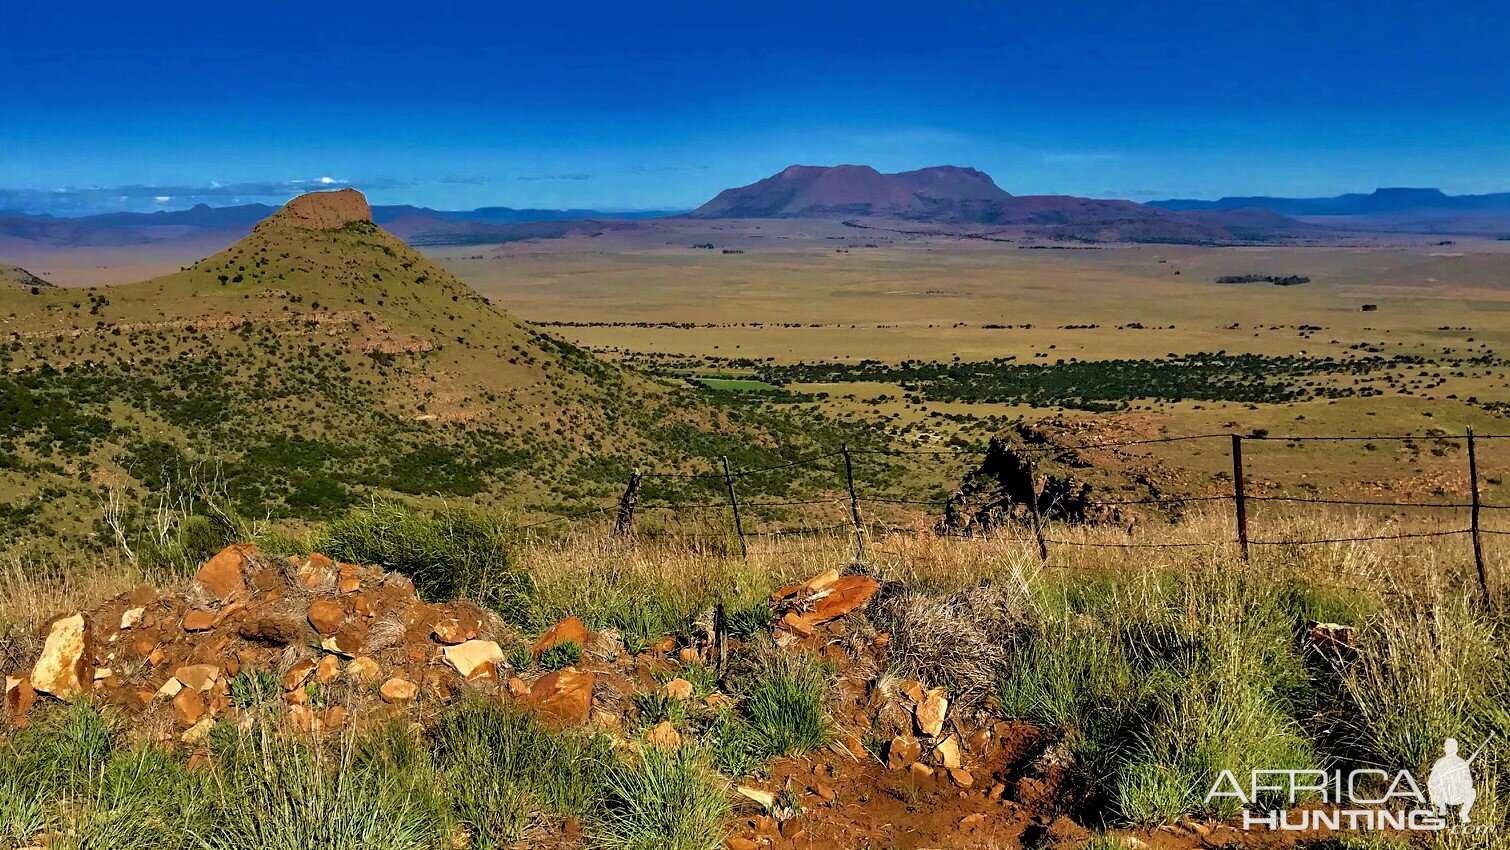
x: 448, y: 554
x: 785, y: 710
x: 961, y: 641
x: 564, y: 654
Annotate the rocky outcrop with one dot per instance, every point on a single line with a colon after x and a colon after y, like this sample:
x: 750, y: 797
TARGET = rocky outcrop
x: 322, y: 211
x: 1032, y: 470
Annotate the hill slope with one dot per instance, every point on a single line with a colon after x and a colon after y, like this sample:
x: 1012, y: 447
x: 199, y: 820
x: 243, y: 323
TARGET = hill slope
x: 17, y: 276
x: 315, y: 362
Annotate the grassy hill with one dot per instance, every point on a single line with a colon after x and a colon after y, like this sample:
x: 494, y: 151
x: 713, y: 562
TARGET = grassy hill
x: 315, y: 363
x: 17, y: 276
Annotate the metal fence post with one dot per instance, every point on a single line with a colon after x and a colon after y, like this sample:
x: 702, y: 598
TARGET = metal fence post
x: 1474, y: 531
x: 1239, y: 496
x: 744, y: 549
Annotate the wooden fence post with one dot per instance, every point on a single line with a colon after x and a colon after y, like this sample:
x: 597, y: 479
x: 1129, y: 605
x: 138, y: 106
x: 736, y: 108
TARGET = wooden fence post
x: 1037, y: 516
x: 624, y: 525
x: 854, y: 504
x: 721, y: 636
x: 744, y: 549
x: 1478, y: 541
x: 1239, y: 496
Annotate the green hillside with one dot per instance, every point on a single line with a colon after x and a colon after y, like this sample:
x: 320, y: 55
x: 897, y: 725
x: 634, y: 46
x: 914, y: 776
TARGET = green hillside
x: 314, y: 364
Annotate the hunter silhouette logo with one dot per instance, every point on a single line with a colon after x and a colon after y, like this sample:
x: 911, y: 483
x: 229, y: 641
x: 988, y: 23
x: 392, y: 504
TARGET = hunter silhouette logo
x: 1360, y: 799
x: 1451, y: 780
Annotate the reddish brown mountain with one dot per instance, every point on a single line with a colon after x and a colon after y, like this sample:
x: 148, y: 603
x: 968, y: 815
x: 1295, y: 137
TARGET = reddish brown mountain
x: 954, y: 195
x: 811, y: 191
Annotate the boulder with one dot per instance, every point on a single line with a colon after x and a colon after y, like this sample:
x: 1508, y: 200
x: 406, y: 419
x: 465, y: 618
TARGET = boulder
x: 197, y: 733
x: 328, y: 670
x: 270, y: 627
x: 398, y: 691
x: 931, y: 711
x: 363, y: 669
x: 569, y: 629
x: 902, y: 751
x: 796, y: 624
x: 349, y: 642
x: 456, y: 630
x: 19, y: 698
x: 199, y: 620
x: 298, y: 674
x: 821, y: 581
x: 562, y: 698
x: 327, y: 615
x: 224, y: 575
x: 663, y: 735
x: 948, y: 753
x: 468, y: 658
x: 131, y: 616
x: 843, y: 596
x: 198, y: 677
x: 64, y: 670
x: 764, y: 799
x: 189, y: 706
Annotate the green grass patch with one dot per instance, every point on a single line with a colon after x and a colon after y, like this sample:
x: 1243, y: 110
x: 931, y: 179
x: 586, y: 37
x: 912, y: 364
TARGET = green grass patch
x: 737, y: 385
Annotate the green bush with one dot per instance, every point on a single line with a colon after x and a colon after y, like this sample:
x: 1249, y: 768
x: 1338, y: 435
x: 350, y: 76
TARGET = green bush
x: 785, y: 710
x: 564, y: 654
x: 1156, y: 686
x: 448, y: 554
x: 505, y: 754
x: 663, y: 800
x: 286, y: 795
x: 254, y: 687
x: 655, y: 707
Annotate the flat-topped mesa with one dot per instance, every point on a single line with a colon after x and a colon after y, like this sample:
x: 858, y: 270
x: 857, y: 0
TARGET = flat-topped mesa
x: 322, y: 211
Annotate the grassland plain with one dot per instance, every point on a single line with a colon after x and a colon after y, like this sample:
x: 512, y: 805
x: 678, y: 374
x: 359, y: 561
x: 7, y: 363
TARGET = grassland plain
x: 1144, y: 676
x: 933, y: 340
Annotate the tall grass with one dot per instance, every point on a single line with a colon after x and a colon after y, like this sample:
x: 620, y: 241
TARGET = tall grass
x: 1153, y: 671
x: 1428, y: 670
x: 449, y: 554
x: 281, y: 794
x: 663, y: 800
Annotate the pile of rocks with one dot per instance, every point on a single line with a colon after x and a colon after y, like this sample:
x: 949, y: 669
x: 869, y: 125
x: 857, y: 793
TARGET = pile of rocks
x: 311, y: 631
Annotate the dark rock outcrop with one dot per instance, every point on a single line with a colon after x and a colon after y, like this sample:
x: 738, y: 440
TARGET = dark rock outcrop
x: 1031, y: 470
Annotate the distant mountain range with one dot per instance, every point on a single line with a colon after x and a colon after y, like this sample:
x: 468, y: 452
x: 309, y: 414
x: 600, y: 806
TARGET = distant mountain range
x: 485, y: 224
x: 945, y: 199
x: 950, y: 194
x: 1377, y: 202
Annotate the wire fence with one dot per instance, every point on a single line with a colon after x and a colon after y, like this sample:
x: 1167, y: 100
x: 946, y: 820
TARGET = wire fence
x: 856, y: 502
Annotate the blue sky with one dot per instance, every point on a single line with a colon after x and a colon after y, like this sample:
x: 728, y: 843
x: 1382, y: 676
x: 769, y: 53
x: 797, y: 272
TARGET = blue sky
x: 646, y: 105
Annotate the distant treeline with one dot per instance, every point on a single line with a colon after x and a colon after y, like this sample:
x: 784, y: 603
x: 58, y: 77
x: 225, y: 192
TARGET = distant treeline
x: 1291, y: 280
